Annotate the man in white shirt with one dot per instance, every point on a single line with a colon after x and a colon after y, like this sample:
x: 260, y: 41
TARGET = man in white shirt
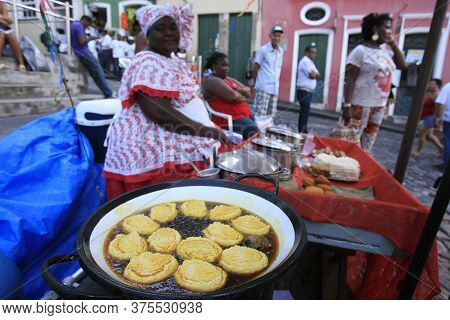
x: 442, y: 121
x: 118, y: 48
x: 266, y: 74
x: 130, y: 48
x: 106, y: 57
x: 307, y: 75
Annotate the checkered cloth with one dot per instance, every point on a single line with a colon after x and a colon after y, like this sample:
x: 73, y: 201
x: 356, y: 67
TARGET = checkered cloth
x: 264, y: 104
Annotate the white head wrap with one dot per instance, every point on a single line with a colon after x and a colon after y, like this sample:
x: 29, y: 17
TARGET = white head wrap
x: 184, y: 17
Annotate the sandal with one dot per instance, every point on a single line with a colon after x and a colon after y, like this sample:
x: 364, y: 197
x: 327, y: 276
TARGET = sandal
x: 22, y: 68
x: 3, y: 67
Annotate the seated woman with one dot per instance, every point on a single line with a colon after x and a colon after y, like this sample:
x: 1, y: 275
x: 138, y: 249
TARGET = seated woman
x: 228, y: 95
x: 163, y: 124
x: 7, y: 35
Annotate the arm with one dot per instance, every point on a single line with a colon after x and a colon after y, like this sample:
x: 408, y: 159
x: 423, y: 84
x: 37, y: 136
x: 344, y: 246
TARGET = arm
x: 4, y: 16
x: 255, y: 71
x: 399, y: 59
x: 161, y: 111
x: 243, y: 89
x: 351, y: 73
x: 439, y: 113
x: 217, y: 87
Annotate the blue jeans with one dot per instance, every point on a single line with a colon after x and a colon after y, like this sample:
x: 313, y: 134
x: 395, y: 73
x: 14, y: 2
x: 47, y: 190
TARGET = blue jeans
x: 245, y: 126
x: 304, y: 99
x: 96, y: 72
x: 446, y: 142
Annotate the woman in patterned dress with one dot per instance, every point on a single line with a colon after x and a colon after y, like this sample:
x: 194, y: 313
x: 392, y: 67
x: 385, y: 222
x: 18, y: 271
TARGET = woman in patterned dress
x: 164, y: 123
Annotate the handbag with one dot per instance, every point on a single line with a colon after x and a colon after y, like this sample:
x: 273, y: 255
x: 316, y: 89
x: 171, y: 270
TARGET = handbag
x: 349, y: 132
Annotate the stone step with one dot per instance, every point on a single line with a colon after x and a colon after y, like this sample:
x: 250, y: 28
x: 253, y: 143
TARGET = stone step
x: 20, y: 91
x: 25, y: 106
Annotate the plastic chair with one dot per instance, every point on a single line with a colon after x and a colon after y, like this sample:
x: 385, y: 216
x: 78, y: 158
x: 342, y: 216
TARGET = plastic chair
x: 94, y: 118
x: 228, y: 117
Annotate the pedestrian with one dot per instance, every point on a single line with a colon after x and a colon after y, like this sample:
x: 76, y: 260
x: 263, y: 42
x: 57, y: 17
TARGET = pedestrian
x: 130, y: 48
x: 7, y: 36
x: 368, y: 78
x: 61, y: 40
x: 118, y: 49
x: 106, y: 55
x: 79, y: 43
x: 307, y: 75
x: 426, y: 129
x: 266, y: 74
x: 155, y: 138
x: 442, y: 121
x: 249, y: 69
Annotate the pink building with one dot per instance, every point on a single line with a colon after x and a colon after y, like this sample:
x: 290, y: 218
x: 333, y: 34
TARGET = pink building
x: 334, y: 26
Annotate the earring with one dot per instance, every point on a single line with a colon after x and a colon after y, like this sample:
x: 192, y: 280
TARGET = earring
x: 375, y: 37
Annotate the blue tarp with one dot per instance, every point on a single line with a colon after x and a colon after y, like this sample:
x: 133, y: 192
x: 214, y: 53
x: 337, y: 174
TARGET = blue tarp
x: 49, y: 185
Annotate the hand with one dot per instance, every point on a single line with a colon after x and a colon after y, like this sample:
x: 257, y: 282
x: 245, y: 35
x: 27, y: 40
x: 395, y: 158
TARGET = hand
x: 390, y: 40
x: 223, y: 139
x: 346, y: 115
x: 438, y: 124
x: 252, y: 90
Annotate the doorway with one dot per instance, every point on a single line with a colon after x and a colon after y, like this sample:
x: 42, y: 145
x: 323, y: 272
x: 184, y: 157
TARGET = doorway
x: 240, y: 37
x: 320, y: 41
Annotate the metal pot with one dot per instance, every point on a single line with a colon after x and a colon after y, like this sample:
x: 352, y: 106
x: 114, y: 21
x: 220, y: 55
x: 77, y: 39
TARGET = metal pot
x: 243, y: 161
x: 281, y: 151
x: 287, y: 224
x: 287, y: 135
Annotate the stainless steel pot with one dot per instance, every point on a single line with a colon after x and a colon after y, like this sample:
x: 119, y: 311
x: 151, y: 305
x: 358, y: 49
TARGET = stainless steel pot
x: 286, y: 135
x: 243, y: 161
x: 281, y: 151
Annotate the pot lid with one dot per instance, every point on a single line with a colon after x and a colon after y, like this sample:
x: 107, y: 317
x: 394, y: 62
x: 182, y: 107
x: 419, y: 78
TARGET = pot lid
x: 285, y: 132
x: 274, y: 144
x: 247, y: 161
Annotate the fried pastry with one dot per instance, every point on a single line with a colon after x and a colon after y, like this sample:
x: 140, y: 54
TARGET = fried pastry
x: 224, y: 213
x: 164, y: 212
x: 200, y: 276
x: 250, y: 225
x: 164, y: 240
x: 314, y: 190
x: 194, y: 208
x: 127, y: 246
x: 150, y: 267
x: 308, y: 182
x: 322, y: 180
x: 141, y: 224
x: 243, y: 260
x: 324, y: 187
x: 223, y: 234
x: 199, y: 248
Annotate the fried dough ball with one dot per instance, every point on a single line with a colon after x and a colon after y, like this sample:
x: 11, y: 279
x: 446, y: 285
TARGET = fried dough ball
x: 308, y: 182
x: 223, y: 234
x: 141, y: 224
x: 199, y: 248
x: 314, y: 190
x: 324, y: 187
x: 127, y: 246
x: 224, y: 213
x: 150, y: 267
x: 194, y: 208
x: 250, y: 225
x: 164, y: 240
x: 322, y: 180
x: 200, y: 276
x: 243, y: 260
x: 164, y: 212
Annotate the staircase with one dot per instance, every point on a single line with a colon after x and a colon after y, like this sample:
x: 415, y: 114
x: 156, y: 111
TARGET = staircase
x: 25, y: 93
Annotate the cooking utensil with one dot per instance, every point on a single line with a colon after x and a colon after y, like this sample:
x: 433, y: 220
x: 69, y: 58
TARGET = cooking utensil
x: 243, y: 161
x: 210, y: 173
x: 287, y: 225
x: 286, y: 135
x: 283, y: 152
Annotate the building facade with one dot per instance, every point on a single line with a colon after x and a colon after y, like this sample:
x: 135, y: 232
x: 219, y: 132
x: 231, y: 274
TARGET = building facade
x: 231, y: 26
x: 334, y: 26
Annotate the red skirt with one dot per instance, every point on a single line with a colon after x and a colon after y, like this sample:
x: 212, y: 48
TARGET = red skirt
x: 117, y: 184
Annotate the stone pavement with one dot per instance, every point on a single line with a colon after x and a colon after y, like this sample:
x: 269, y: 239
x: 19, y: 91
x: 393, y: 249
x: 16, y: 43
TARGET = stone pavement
x: 419, y: 180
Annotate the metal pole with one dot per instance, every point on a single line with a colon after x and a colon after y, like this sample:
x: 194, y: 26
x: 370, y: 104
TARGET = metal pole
x: 427, y: 237
x: 199, y: 71
x: 68, y: 35
x: 16, y: 20
x: 424, y: 76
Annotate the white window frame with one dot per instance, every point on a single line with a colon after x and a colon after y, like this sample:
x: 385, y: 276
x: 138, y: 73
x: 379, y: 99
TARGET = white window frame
x: 297, y: 35
x: 312, y: 5
x: 123, y: 4
x: 20, y: 11
x: 106, y: 6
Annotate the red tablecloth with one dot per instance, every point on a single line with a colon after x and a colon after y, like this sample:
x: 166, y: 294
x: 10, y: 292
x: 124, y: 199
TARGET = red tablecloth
x: 395, y: 214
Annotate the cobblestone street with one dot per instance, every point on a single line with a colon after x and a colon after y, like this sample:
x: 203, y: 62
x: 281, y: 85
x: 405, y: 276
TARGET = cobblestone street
x: 419, y: 180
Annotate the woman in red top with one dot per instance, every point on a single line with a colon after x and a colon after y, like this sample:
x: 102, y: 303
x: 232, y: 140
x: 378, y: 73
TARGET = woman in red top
x: 426, y: 131
x: 227, y: 95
